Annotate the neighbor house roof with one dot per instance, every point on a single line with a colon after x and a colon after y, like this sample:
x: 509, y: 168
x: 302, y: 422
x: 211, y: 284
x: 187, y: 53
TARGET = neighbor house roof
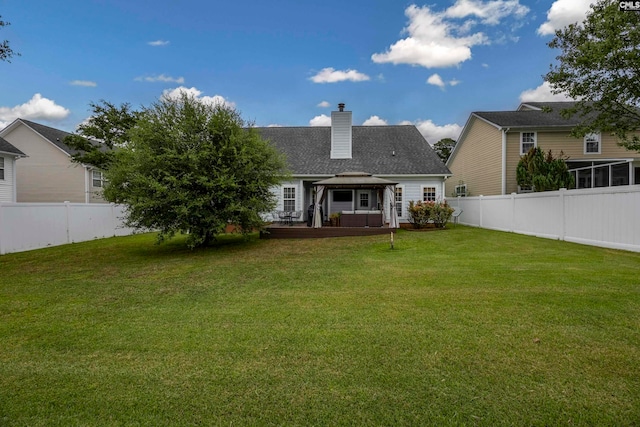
x: 379, y: 150
x: 532, y: 114
x: 55, y: 136
x: 6, y: 147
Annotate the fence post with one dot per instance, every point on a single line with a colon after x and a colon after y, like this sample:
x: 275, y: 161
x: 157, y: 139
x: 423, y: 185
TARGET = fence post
x: 513, y: 212
x: 480, y: 203
x: 563, y: 217
x: 66, y: 213
x: 1, y: 233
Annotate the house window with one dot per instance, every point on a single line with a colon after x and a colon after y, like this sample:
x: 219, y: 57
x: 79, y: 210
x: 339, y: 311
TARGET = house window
x: 97, y: 178
x: 527, y: 141
x: 592, y: 143
x: 364, y: 200
x: 428, y: 194
x: 399, y: 200
x: 461, y: 190
x: 1, y: 168
x: 289, y: 199
x: 342, y: 196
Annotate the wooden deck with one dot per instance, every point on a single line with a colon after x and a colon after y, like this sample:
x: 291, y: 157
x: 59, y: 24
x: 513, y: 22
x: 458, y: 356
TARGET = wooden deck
x: 301, y: 231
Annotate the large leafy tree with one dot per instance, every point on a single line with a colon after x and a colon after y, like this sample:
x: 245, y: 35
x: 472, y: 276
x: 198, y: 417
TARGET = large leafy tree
x: 6, y: 53
x: 444, y: 147
x: 194, y: 167
x: 543, y: 172
x: 599, y: 66
x: 105, y: 130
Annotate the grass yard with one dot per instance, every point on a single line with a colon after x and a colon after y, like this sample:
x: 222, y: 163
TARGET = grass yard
x: 457, y: 327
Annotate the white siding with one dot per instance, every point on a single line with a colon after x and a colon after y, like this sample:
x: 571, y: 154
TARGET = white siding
x: 7, y: 185
x: 341, y: 134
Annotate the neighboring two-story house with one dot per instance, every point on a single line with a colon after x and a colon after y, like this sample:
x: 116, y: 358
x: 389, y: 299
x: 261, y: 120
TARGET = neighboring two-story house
x: 491, y: 144
x: 8, y: 156
x: 399, y: 154
x: 47, y: 173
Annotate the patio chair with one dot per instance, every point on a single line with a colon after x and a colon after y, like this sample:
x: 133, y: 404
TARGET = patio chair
x: 295, y: 216
x: 455, y: 215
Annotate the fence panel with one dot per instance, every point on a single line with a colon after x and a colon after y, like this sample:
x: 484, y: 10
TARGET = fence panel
x: 27, y: 226
x: 606, y: 217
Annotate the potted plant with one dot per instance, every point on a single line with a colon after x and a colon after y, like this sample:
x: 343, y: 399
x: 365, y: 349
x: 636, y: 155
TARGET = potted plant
x: 334, y: 219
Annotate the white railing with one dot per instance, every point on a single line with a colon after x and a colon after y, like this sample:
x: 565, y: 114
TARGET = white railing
x: 607, y: 217
x: 26, y: 226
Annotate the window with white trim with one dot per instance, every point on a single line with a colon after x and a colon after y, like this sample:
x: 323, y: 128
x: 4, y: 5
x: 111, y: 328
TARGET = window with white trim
x: 364, y: 200
x: 398, y: 197
x: 97, y: 178
x: 428, y: 194
x: 289, y: 199
x: 461, y: 190
x: 1, y: 168
x: 592, y: 143
x: 528, y: 140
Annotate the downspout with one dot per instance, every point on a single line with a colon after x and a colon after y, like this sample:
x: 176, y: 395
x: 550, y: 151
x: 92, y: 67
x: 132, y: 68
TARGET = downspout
x: 504, y: 160
x: 87, y: 177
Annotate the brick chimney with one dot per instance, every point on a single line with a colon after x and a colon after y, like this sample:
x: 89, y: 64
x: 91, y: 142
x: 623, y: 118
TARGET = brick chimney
x: 341, y: 133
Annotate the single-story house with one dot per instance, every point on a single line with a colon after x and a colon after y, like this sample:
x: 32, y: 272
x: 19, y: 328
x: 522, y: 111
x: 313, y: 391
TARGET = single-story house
x: 368, y: 160
x: 47, y: 174
x: 8, y: 156
x: 491, y: 144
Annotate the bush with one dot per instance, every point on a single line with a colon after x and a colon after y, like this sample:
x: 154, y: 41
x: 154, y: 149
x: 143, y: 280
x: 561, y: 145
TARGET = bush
x: 423, y: 213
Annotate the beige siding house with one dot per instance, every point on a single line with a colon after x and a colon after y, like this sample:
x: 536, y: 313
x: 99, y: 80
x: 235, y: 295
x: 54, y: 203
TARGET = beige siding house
x: 491, y: 144
x: 8, y: 156
x: 47, y: 174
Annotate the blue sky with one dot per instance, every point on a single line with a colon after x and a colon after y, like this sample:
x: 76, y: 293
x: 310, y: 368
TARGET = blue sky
x: 282, y: 62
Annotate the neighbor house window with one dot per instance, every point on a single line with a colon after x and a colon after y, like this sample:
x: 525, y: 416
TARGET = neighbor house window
x: 527, y: 141
x: 97, y: 178
x: 399, y: 200
x: 289, y: 199
x: 592, y: 143
x: 1, y: 168
x: 428, y: 194
x: 461, y: 190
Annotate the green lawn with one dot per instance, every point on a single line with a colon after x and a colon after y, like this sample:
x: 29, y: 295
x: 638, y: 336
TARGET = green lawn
x: 456, y: 327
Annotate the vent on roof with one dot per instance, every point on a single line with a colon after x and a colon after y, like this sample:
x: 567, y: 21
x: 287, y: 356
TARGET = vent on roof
x: 341, y: 133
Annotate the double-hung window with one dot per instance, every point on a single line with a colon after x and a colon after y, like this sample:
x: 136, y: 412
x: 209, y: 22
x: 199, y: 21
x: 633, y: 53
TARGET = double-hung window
x: 527, y: 142
x: 398, y: 197
x: 461, y: 190
x: 428, y: 194
x: 289, y: 199
x: 1, y: 168
x: 97, y: 178
x: 592, y: 143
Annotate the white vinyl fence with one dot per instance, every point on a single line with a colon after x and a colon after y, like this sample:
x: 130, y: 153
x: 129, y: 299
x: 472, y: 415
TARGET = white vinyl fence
x: 606, y: 217
x: 26, y: 226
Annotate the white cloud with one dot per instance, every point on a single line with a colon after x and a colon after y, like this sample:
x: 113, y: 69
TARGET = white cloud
x: 374, y: 121
x: 37, y: 108
x: 213, y: 100
x: 274, y: 125
x: 563, y: 13
x: 161, y: 78
x: 434, y: 133
x: 330, y: 75
x: 321, y: 120
x: 85, y: 83
x: 439, y: 39
x: 542, y: 94
x: 490, y: 13
x: 158, y: 43
x: 324, y: 104
x: 436, y: 80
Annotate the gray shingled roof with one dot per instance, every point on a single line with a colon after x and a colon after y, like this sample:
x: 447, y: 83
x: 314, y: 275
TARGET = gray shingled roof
x: 379, y: 150
x: 6, y: 147
x: 56, y: 136
x: 532, y: 118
